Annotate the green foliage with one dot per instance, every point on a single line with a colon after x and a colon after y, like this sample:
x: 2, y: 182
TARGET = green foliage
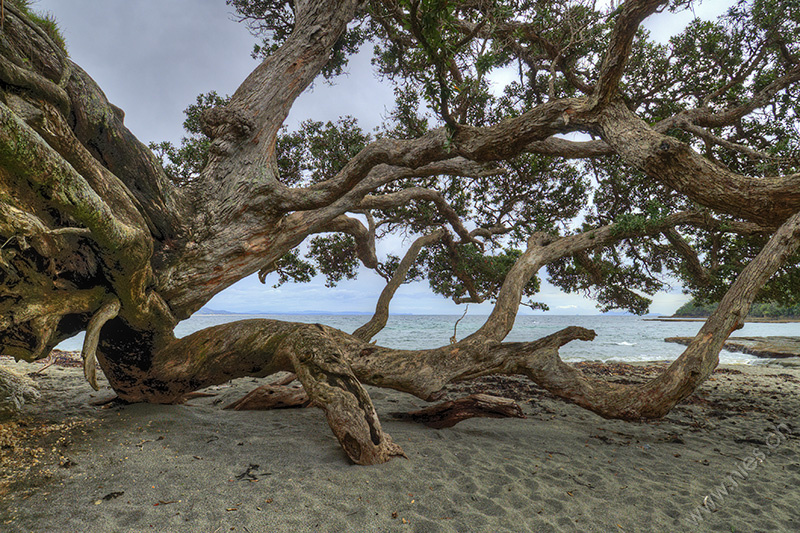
x: 46, y: 21
x: 478, y: 63
x: 724, y: 258
x: 466, y: 271
x: 318, y: 151
x: 388, y: 267
x: 405, y: 121
x: 695, y: 308
x: 653, y: 216
x: 613, y: 281
x: 314, y: 153
x: 335, y: 256
x: 768, y: 309
x: 184, y: 163
x: 774, y: 310
x: 292, y: 268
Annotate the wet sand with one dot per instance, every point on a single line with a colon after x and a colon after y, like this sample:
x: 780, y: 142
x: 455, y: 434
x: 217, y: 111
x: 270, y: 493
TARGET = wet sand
x: 727, y: 459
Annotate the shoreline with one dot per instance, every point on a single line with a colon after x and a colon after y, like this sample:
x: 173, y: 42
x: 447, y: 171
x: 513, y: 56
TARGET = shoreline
x: 752, y: 320
x: 195, y: 467
x: 776, y: 347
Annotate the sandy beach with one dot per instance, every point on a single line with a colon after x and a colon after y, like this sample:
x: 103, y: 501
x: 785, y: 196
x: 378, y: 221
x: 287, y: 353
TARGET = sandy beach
x: 726, y: 460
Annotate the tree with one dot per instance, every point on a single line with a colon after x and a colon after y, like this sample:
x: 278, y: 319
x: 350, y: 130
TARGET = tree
x: 689, y: 168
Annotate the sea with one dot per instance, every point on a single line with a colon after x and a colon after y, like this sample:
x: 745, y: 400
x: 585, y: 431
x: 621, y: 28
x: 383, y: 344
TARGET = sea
x: 619, y: 338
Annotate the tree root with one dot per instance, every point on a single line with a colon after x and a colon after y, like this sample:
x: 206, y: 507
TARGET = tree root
x: 89, y: 351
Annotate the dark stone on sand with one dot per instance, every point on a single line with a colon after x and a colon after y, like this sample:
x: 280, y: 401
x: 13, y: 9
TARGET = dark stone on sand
x: 768, y: 347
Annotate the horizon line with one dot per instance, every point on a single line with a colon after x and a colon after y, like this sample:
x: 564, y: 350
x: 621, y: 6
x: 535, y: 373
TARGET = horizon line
x: 206, y: 311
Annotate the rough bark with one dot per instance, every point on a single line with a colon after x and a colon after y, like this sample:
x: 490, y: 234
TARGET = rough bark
x: 687, y: 372
x: 631, y: 15
x: 269, y: 397
x: 689, y: 256
x: 89, y: 351
x: 448, y: 414
x: 764, y: 201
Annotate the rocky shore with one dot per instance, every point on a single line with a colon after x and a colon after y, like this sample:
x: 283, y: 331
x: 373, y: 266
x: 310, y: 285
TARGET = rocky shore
x: 768, y: 347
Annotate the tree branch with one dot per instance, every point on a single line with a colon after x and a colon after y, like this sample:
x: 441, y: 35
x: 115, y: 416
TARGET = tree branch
x: 381, y: 315
x: 120, y: 231
x: 40, y: 318
x: 681, y: 378
x: 39, y: 85
x: 708, y: 118
x: 406, y: 196
x: 509, y: 33
x: 631, y: 14
x: 543, y: 249
x: 330, y: 383
x: 365, y: 238
x: 766, y: 201
x: 263, y: 104
x: 425, y: 373
x: 332, y: 365
x: 690, y: 259
x: 714, y: 139
x: 22, y: 150
x: 760, y: 99
x: 450, y: 413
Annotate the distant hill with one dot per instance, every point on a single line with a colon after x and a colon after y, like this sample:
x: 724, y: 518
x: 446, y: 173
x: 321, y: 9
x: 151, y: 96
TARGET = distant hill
x: 693, y: 309
x: 207, y: 311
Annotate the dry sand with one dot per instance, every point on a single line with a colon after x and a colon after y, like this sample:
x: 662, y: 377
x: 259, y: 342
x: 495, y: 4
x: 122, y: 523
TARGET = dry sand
x: 194, y: 467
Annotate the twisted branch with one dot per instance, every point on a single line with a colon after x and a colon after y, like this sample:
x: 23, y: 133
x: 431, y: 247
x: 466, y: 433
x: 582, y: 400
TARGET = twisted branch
x: 89, y: 350
x: 381, y: 315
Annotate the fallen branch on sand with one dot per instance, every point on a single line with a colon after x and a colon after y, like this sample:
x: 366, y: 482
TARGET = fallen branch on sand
x: 448, y: 414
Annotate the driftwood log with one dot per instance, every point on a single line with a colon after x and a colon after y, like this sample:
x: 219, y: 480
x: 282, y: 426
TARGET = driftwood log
x: 448, y: 414
x: 271, y: 396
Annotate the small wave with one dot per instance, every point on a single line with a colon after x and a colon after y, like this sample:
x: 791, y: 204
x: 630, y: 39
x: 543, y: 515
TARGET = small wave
x: 623, y: 343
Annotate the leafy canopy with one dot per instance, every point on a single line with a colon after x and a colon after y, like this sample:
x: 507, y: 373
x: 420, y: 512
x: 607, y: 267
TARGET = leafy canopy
x: 479, y: 62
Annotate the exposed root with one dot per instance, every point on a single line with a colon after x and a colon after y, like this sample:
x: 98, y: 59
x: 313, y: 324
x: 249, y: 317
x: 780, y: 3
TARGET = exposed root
x: 89, y: 351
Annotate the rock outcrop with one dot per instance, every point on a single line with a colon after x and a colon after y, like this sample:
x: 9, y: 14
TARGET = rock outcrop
x: 767, y: 347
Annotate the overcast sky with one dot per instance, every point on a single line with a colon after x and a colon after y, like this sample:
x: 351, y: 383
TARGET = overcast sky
x: 153, y: 57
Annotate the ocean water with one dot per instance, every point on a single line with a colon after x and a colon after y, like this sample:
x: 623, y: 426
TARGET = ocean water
x: 619, y: 338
